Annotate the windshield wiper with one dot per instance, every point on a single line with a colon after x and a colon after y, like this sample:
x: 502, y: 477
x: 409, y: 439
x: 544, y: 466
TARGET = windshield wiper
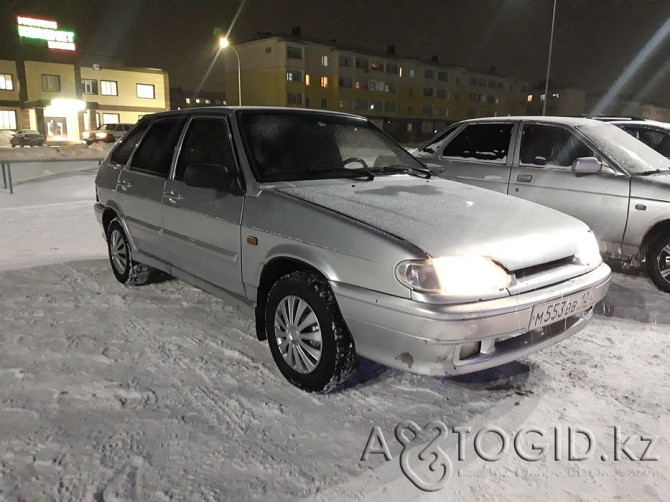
x: 362, y: 172
x: 415, y: 171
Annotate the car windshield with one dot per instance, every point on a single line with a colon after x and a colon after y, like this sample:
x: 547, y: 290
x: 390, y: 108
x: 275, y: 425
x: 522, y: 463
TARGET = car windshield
x: 631, y: 154
x: 294, y: 145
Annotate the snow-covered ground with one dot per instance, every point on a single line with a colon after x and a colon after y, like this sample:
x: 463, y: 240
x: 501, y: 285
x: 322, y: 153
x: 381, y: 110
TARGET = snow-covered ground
x: 162, y: 392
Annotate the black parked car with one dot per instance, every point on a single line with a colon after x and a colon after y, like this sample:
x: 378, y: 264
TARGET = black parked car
x: 27, y: 137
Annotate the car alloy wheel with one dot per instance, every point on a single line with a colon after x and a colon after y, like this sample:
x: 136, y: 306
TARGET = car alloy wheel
x: 308, y: 338
x: 298, y: 334
x: 658, y: 261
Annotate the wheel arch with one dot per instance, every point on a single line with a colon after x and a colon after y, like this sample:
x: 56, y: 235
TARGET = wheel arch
x: 659, y: 228
x: 274, y: 269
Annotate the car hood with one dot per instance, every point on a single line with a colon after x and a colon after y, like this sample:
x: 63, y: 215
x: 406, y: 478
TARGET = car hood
x: 445, y: 218
x: 653, y: 187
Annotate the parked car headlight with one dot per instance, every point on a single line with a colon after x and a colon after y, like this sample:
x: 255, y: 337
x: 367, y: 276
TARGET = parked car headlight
x: 588, y: 251
x: 461, y: 276
x: 100, y: 134
x: 85, y: 135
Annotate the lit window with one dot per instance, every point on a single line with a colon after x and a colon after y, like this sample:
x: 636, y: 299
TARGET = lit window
x: 400, y: 72
x: 324, y: 82
x: 188, y: 101
x: 146, y: 91
x: 307, y: 79
x: 324, y: 60
x: 411, y: 73
x: 207, y: 101
x: 530, y: 98
x: 7, y: 119
x: 197, y: 101
x: 89, y: 86
x: 556, y: 96
x: 293, y: 76
x: 108, y: 88
x: 542, y: 97
x: 6, y: 83
x: 110, y: 118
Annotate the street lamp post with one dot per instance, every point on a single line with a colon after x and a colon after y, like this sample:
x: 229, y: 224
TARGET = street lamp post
x: 224, y: 43
x: 551, y: 45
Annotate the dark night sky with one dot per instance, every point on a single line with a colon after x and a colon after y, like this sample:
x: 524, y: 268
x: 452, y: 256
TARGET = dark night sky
x: 595, y: 40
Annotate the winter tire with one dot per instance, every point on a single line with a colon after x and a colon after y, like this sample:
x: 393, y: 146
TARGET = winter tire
x: 125, y: 269
x: 308, y: 337
x: 658, y: 261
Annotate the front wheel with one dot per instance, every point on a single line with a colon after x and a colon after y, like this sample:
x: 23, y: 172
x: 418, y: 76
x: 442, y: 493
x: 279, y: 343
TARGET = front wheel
x: 125, y: 270
x: 658, y: 261
x: 308, y: 337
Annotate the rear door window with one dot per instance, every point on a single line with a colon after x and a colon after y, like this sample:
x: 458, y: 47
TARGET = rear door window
x: 206, y: 142
x: 121, y: 154
x: 481, y: 142
x: 155, y: 152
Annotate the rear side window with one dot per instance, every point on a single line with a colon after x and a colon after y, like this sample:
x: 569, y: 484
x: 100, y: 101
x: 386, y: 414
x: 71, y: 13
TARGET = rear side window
x: 206, y: 142
x: 154, y: 154
x: 121, y: 154
x: 481, y: 142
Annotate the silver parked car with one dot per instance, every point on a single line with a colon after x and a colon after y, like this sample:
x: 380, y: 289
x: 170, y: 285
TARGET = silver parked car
x: 341, y: 244
x: 589, y: 169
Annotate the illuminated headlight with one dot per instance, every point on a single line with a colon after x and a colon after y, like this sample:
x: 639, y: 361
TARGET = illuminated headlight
x: 588, y: 252
x: 459, y: 276
x: 85, y: 135
x: 100, y: 134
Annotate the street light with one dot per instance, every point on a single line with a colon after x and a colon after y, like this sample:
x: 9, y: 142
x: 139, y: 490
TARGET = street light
x: 224, y: 43
x: 551, y: 45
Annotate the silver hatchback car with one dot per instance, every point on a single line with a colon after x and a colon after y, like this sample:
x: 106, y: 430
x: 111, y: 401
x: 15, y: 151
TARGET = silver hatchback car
x: 340, y: 243
x: 588, y: 169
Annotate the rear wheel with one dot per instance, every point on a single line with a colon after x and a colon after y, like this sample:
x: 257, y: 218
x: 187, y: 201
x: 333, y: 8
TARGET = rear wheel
x: 125, y: 270
x: 658, y: 261
x: 308, y: 337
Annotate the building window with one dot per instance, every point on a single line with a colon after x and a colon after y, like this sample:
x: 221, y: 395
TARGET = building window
x: 482, y: 82
x: 51, y: 83
x: 361, y: 84
x: 293, y: 52
x: 427, y: 110
x: 89, y: 86
x: 362, y: 63
x: 530, y: 98
x: 324, y: 82
x: 294, y: 76
x: 345, y: 103
x: 324, y: 60
x: 110, y: 118
x: 411, y: 73
x: 390, y: 87
x: 473, y: 81
x: 376, y: 105
x: 346, y: 61
x: 6, y: 82
x: 376, y: 85
x: 429, y: 74
x: 146, y: 91
x: 427, y: 126
x: 188, y: 101
x: 294, y: 98
x: 361, y: 104
x: 346, y: 82
x: 392, y: 68
x: 442, y: 93
x: 308, y: 79
x: 108, y: 88
x: 428, y: 91
x: 443, y: 76
x: 377, y: 66
x: 7, y: 119
x: 390, y: 106
x: 207, y: 101
x: 324, y: 103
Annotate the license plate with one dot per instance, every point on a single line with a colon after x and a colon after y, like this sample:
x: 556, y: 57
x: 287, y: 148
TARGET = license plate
x: 550, y: 312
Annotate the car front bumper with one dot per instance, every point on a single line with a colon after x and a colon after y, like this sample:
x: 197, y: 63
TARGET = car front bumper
x: 453, y: 339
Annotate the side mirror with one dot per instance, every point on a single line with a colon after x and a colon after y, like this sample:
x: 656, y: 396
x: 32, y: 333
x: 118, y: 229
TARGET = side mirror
x: 586, y: 165
x: 214, y: 176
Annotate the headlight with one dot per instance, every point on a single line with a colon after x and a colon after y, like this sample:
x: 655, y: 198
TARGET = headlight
x: 459, y: 276
x: 85, y: 135
x: 588, y: 252
x: 100, y: 134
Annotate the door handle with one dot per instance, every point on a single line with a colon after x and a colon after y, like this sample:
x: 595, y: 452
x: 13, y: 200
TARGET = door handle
x: 173, y: 197
x: 125, y: 185
x: 524, y: 178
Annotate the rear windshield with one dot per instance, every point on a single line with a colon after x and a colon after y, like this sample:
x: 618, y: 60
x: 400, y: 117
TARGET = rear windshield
x: 294, y: 145
x: 629, y: 153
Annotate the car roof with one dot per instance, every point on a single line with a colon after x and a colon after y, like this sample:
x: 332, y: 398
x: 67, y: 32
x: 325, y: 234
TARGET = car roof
x: 229, y: 110
x: 653, y: 123
x: 573, y: 121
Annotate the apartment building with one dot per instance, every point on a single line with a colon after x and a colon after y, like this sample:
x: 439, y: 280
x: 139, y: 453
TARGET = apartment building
x: 409, y: 98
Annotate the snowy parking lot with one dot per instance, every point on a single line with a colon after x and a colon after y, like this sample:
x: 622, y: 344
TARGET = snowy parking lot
x: 162, y: 392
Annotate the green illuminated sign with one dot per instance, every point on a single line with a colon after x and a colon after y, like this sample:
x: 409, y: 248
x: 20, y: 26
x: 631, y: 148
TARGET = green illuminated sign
x: 43, y: 29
